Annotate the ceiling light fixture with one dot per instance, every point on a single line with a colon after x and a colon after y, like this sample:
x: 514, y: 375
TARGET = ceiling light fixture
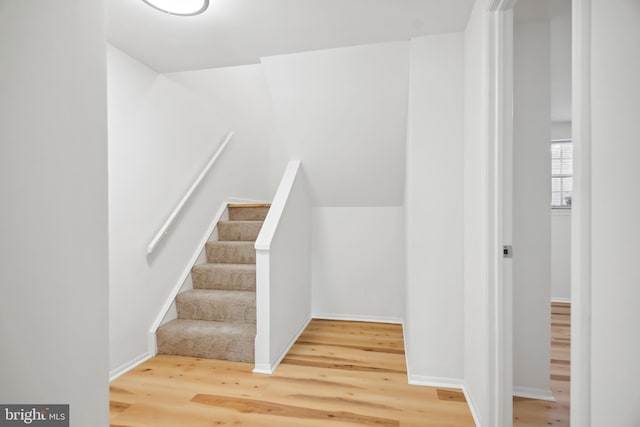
x: 179, y: 7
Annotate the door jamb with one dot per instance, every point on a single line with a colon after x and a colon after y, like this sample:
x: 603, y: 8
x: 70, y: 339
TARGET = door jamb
x: 581, y: 216
x: 499, y: 68
x: 500, y: 132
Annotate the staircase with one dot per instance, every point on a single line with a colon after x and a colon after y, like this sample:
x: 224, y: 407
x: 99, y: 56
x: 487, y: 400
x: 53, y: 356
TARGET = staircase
x: 217, y: 318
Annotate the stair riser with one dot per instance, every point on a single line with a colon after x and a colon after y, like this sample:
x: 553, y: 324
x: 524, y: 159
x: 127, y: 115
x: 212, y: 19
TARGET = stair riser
x: 236, y: 352
x: 208, y: 347
x: 244, y: 231
x: 227, y: 254
x: 242, y: 310
x: 224, y: 279
x: 217, y: 319
x: 248, y: 214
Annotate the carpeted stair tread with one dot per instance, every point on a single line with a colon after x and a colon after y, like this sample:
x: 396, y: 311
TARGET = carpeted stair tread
x: 257, y: 212
x: 239, y: 230
x: 217, y: 318
x: 241, y: 277
x: 211, y: 340
x: 217, y: 305
x: 231, y: 252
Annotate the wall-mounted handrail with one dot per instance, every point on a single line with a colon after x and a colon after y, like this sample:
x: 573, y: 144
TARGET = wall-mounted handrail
x: 164, y: 230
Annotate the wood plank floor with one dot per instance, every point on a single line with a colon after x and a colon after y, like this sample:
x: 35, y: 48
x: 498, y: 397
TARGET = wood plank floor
x: 337, y: 374
x: 536, y: 413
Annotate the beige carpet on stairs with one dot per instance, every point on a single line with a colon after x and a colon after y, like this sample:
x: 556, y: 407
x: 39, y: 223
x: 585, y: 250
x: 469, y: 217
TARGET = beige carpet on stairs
x: 217, y: 318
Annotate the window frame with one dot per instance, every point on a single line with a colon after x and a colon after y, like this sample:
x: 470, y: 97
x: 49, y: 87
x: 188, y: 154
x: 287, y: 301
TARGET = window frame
x: 561, y: 141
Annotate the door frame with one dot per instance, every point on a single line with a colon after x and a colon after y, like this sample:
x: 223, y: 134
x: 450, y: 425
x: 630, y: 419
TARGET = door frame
x: 499, y: 115
x: 581, y: 215
x: 500, y: 138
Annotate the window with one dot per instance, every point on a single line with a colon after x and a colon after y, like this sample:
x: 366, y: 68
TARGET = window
x: 561, y: 173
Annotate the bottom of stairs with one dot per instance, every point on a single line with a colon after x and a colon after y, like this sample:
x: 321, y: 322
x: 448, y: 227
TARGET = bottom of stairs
x: 208, y: 339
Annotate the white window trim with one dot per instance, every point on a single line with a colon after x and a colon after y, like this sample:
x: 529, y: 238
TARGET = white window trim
x: 560, y: 141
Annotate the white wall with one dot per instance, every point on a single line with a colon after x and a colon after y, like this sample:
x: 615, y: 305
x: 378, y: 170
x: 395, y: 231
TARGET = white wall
x: 531, y: 209
x: 358, y: 263
x: 291, y: 269
x: 161, y: 134
x: 561, y: 129
x: 434, y: 210
x: 561, y: 255
x: 560, y: 225
x: 283, y: 268
x: 615, y: 211
x: 476, y: 328
x: 243, y: 95
x: 53, y: 187
x: 342, y: 113
x: 560, y: 32
x: 560, y: 219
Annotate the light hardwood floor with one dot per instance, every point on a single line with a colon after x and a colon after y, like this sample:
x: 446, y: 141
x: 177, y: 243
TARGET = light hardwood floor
x: 337, y: 374
x: 537, y: 413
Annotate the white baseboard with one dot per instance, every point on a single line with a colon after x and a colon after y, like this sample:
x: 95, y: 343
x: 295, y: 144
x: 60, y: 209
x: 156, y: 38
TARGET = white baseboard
x: 152, y: 343
x: 534, y: 393
x: 268, y: 369
x: 563, y: 300
x: 358, y: 318
x: 472, y: 406
x: 126, y: 367
x: 263, y: 368
x: 444, y: 382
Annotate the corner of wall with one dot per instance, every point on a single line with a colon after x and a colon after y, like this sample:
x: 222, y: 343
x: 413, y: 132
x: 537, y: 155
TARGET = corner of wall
x: 126, y: 367
x: 454, y: 383
x: 472, y: 406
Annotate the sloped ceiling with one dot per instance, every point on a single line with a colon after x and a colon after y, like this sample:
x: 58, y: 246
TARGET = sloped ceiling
x: 237, y: 32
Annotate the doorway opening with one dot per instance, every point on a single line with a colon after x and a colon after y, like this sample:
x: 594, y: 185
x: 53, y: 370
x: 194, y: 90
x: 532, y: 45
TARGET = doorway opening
x: 540, y: 210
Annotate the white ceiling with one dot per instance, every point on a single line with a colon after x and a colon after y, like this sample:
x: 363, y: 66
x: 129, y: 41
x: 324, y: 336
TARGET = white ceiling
x: 236, y: 32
